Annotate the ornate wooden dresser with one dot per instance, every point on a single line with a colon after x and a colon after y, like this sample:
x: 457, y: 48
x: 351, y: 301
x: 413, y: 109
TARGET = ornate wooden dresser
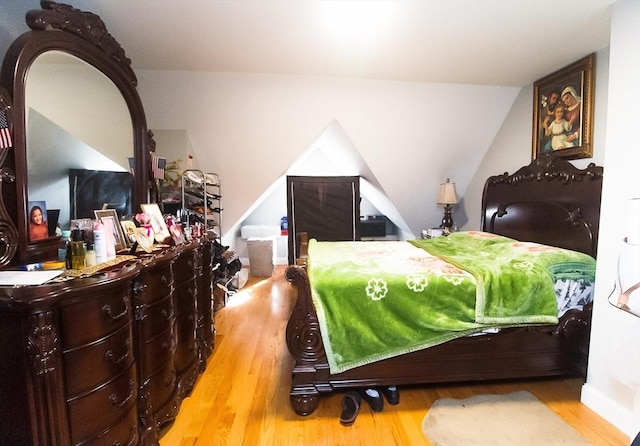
x: 105, y: 359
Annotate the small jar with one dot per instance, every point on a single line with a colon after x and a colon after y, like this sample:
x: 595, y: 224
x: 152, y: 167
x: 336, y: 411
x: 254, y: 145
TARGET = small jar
x: 90, y: 258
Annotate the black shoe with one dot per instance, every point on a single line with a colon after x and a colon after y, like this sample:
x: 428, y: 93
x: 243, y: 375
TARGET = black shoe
x: 350, y: 407
x: 392, y: 394
x: 376, y: 402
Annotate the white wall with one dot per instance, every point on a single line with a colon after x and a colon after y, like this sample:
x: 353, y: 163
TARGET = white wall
x: 615, y: 335
x: 613, y: 381
x: 251, y: 128
x: 511, y: 148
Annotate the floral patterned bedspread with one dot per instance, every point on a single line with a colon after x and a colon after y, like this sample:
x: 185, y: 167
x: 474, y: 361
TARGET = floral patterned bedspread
x: 377, y: 300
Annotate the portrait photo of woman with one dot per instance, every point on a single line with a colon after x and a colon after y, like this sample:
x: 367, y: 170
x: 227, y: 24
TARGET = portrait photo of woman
x: 38, y: 228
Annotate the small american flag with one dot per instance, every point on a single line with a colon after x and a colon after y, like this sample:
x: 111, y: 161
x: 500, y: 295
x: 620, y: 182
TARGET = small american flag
x: 157, y: 165
x: 5, y: 134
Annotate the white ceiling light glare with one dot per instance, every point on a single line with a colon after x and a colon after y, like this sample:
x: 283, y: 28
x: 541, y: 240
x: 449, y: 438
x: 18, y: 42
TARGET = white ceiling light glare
x: 355, y: 25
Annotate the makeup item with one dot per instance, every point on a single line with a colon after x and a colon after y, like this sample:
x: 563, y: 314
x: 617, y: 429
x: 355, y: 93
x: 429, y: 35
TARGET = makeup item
x: 77, y: 249
x: 63, y: 246
x: 31, y: 267
x: 90, y: 255
x: 53, y: 265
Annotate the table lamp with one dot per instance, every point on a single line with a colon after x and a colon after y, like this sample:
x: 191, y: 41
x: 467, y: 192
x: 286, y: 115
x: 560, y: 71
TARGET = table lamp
x: 447, y: 196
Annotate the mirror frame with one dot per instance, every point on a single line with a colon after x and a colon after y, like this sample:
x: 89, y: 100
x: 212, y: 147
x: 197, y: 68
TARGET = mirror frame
x: 84, y: 35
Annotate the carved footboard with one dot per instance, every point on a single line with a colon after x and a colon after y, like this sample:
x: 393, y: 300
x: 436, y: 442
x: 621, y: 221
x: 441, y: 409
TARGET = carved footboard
x: 526, y: 352
x: 305, y: 345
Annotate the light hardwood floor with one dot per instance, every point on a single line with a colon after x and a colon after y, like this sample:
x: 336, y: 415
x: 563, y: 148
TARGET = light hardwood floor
x: 243, y: 396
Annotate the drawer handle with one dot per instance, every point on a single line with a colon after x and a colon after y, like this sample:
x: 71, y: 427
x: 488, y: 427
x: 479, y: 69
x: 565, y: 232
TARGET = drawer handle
x: 107, y: 310
x: 164, y: 280
x: 190, y: 263
x: 113, y: 398
x: 138, y: 287
x: 167, y: 314
x: 169, y: 345
x: 109, y: 354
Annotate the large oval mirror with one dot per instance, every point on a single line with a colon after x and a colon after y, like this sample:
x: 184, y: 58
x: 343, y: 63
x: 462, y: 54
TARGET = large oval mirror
x: 76, y: 111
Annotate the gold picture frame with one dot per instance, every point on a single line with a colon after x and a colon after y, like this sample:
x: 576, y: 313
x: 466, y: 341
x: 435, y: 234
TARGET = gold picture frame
x: 129, y: 230
x: 563, y: 111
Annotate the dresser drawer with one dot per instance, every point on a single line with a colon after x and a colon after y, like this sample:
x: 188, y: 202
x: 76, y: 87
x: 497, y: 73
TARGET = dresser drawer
x: 101, y: 409
x: 184, y: 268
x: 156, y: 283
x: 157, y: 352
x: 162, y: 386
x: 185, y: 327
x: 88, y: 367
x: 93, y: 318
x: 154, y: 318
x: 186, y: 348
x: 185, y: 298
x: 124, y: 433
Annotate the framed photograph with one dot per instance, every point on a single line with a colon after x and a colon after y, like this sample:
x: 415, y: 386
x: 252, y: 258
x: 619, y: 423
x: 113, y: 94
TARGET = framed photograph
x: 160, y: 230
x: 109, y: 218
x: 563, y: 111
x: 129, y: 229
x: 38, y: 226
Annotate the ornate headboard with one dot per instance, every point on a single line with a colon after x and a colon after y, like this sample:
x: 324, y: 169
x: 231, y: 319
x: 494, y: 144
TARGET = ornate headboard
x: 549, y: 201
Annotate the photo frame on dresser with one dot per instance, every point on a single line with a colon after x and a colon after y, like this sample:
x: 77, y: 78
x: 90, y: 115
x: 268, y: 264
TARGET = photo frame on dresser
x: 563, y: 111
x: 159, y: 226
x: 38, y: 226
x: 109, y: 218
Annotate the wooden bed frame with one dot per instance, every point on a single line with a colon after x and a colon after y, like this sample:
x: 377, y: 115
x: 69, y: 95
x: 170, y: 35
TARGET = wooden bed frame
x: 549, y: 201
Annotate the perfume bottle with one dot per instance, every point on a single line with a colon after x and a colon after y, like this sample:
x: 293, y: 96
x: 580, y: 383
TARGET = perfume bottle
x: 77, y: 249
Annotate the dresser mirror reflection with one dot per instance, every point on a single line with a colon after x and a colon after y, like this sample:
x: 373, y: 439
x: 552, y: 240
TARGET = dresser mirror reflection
x: 75, y: 106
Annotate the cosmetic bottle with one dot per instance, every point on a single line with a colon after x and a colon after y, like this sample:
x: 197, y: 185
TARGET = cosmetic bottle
x: 77, y: 249
x: 90, y: 255
x: 63, y: 247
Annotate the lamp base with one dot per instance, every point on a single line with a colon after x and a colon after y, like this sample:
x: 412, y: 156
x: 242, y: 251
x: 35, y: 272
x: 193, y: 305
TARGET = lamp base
x: 447, y: 220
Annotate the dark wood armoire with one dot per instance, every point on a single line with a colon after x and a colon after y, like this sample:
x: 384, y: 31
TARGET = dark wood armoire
x: 326, y: 208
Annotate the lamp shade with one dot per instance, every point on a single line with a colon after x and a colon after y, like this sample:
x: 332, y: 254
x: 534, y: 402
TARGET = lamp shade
x: 447, y: 193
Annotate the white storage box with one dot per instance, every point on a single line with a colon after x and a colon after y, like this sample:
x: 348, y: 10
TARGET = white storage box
x: 259, y: 231
x: 261, y: 254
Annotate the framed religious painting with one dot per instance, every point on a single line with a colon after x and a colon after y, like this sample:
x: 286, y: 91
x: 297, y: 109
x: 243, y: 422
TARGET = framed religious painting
x: 563, y: 111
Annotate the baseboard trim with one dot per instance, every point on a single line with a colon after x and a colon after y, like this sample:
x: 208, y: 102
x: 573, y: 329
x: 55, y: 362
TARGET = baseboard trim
x: 614, y: 413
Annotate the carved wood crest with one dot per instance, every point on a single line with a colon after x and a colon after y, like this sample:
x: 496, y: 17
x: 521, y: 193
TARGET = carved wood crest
x: 85, y: 25
x: 549, y: 167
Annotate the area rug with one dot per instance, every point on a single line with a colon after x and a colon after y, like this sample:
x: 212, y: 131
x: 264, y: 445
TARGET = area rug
x: 518, y: 418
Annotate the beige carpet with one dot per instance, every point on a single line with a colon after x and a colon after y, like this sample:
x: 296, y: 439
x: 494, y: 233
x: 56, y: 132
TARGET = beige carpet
x: 518, y: 418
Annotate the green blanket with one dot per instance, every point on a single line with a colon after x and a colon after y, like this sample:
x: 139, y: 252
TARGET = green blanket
x: 377, y: 300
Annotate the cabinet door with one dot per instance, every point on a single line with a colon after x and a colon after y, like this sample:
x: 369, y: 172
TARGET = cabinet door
x: 326, y: 208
